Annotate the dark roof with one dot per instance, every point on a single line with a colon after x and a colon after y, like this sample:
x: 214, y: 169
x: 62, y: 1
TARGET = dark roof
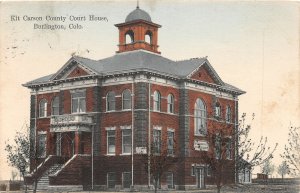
x: 139, y: 60
x: 138, y: 14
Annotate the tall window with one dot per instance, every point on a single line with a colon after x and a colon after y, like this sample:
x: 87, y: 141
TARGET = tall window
x: 157, y: 141
x: 78, y: 102
x: 126, y: 140
x: 170, y: 103
x: 111, y: 142
x: 156, y: 101
x: 200, y: 118
x: 111, y: 101
x: 43, y: 108
x: 126, y: 99
x: 126, y: 179
x: 170, y: 142
x: 228, y: 149
x: 42, y: 141
x: 228, y: 114
x: 55, y: 106
x: 111, y: 179
x: 218, y: 110
x: 218, y: 146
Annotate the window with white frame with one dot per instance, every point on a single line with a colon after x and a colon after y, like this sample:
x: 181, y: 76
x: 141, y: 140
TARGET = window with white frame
x: 55, y: 106
x: 170, y: 142
x: 111, y: 179
x: 228, y: 114
x: 200, y: 116
x: 170, y: 103
x: 78, y: 101
x: 126, y: 179
x: 228, y: 149
x: 111, y: 101
x: 111, y: 142
x: 43, y: 108
x: 218, y: 110
x: 126, y: 99
x: 157, y: 141
x: 156, y: 101
x: 42, y: 141
x: 170, y: 180
x: 126, y: 141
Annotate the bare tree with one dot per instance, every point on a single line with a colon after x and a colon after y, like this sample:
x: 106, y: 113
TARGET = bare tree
x: 268, y: 168
x: 160, y: 160
x: 228, y: 143
x: 18, y: 154
x: 283, y: 169
x: 292, y: 151
x: 253, y: 154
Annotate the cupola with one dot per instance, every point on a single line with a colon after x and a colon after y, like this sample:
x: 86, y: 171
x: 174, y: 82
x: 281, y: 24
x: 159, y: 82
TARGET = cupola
x: 138, y: 32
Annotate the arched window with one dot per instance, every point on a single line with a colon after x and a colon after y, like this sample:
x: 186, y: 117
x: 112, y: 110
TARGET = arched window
x: 129, y: 37
x: 111, y: 101
x: 170, y: 103
x: 126, y: 99
x: 200, y: 116
x: 43, y: 108
x: 148, y: 37
x: 55, y: 106
x: 156, y: 101
x: 228, y: 114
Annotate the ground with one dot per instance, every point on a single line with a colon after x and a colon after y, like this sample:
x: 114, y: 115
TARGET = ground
x: 253, y: 188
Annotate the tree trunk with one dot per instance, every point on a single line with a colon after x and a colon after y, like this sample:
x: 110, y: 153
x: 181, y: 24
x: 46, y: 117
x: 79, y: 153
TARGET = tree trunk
x: 219, y: 189
x: 155, y: 186
x: 24, y: 182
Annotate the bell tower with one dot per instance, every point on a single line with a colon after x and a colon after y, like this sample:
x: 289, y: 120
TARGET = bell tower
x: 138, y: 32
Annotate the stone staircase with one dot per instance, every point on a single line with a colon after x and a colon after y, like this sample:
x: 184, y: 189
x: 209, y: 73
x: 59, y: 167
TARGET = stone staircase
x: 43, y: 182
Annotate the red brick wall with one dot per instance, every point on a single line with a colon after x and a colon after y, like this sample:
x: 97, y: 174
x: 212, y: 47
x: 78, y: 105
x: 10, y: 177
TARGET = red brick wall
x: 202, y: 75
x: 77, y: 72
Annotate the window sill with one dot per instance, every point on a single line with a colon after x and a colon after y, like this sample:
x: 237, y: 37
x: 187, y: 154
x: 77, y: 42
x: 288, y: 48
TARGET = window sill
x: 200, y: 135
x: 111, y: 154
x: 44, y: 117
x: 125, y: 154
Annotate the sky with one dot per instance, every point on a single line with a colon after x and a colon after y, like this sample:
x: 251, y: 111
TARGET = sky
x: 252, y: 45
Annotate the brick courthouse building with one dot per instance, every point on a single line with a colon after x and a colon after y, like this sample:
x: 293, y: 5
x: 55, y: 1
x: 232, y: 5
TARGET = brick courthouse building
x: 92, y: 121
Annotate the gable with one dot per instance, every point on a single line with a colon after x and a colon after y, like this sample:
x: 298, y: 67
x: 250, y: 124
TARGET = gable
x: 73, y: 68
x: 203, y: 75
x: 77, y: 72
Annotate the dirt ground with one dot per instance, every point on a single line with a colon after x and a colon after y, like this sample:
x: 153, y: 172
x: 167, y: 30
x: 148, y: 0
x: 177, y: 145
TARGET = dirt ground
x: 252, y: 188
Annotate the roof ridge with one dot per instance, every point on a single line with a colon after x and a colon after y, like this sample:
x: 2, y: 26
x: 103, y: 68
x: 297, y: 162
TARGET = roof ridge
x: 80, y: 57
x: 196, y: 58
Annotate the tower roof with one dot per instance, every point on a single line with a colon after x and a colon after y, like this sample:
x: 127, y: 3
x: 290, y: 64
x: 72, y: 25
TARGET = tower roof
x: 138, y: 14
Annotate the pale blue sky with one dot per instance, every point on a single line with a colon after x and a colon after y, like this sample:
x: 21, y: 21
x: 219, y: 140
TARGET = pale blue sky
x: 239, y: 38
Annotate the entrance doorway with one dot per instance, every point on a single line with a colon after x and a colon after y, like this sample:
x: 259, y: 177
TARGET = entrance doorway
x: 200, y: 178
x: 58, y: 144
